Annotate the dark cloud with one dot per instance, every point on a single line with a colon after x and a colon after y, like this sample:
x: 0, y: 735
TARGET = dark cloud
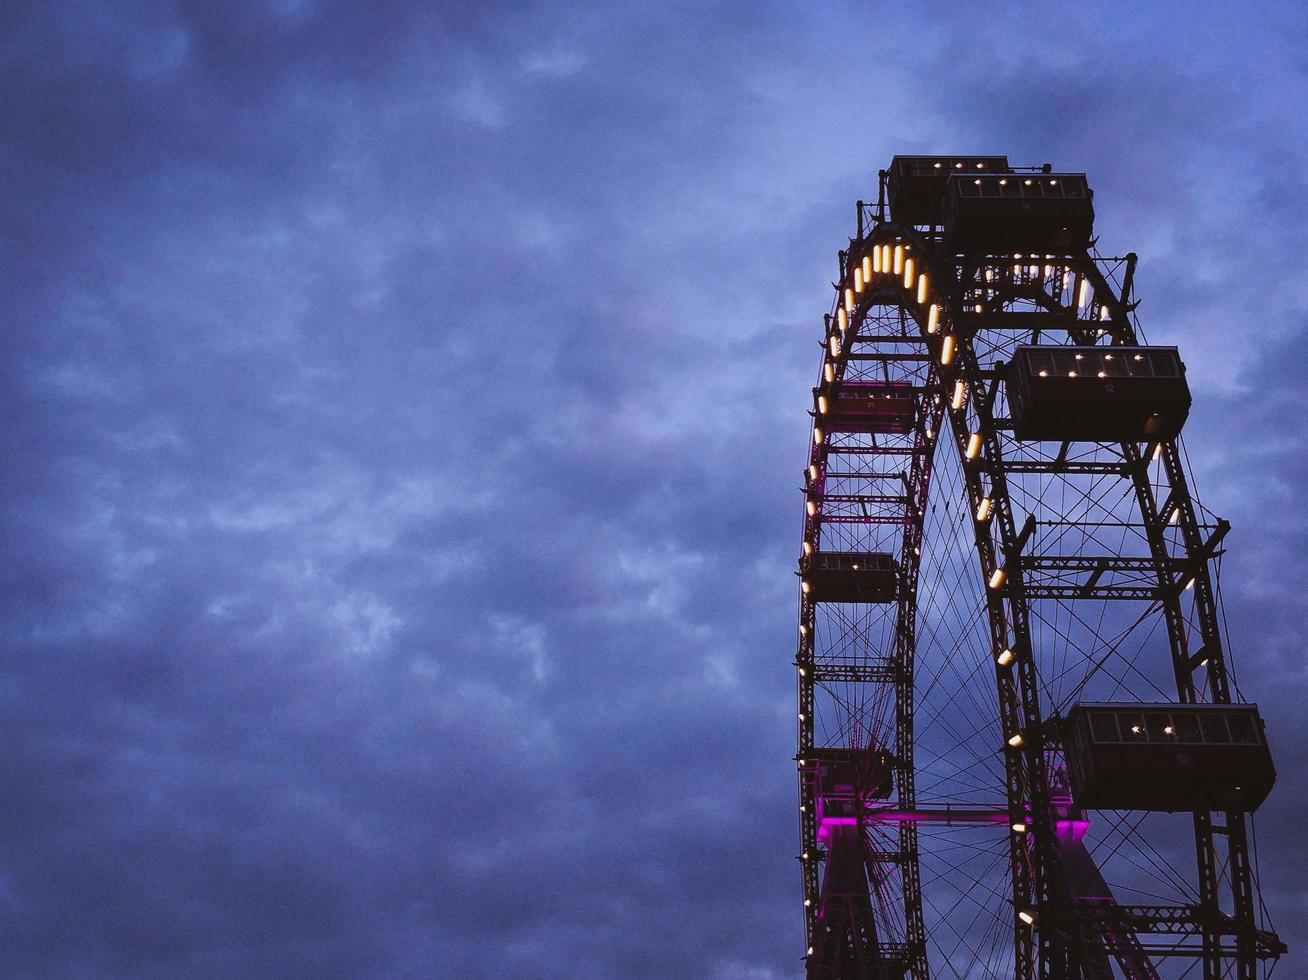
x: 404, y: 407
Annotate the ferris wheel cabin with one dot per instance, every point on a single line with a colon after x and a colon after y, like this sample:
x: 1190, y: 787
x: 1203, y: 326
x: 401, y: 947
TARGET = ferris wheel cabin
x: 1168, y: 757
x: 917, y: 184
x: 869, y: 407
x: 846, y: 576
x: 842, y: 779
x: 1098, y: 394
x: 1025, y: 212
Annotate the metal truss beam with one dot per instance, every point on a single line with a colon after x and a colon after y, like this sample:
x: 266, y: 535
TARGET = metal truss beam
x: 1178, y: 921
x: 1100, y: 577
x: 837, y: 449
x: 888, y: 356
x: 1066, y: 467
x: 879, y: 500
x: 946, y: 815
x: 856, y: 519
x: 884, y: 672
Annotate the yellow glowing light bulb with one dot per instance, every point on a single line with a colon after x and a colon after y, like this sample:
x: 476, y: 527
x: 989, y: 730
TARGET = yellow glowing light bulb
x: 898, y: 266
x: 922, y: 288
x: 908, y: 273
x: 933, y: 319
x: 960, y: 395
x: 947, y: 350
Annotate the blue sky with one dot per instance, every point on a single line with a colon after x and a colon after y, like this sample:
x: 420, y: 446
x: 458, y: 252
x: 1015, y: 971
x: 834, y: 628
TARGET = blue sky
x: 402, y: 409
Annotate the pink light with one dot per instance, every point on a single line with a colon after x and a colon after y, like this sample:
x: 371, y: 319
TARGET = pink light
x: 827, y: 827
x: 1067, y: 830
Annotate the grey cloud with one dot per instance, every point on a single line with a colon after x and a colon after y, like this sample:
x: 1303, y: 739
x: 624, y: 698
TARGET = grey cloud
x: 404, y: 412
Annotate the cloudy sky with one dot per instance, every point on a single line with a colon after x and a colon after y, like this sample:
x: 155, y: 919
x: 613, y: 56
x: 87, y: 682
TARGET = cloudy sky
x: 402, y: 406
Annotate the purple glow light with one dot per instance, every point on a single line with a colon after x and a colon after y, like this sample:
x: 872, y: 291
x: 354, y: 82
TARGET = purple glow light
x: 827, y: 827
x: 1071, y: 830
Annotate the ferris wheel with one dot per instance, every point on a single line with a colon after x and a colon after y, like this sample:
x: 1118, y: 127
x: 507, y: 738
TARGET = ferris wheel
x: 1022, y: 749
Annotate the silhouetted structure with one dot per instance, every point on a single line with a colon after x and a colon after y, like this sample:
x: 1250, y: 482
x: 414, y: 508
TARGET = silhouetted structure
x: 972, y: 309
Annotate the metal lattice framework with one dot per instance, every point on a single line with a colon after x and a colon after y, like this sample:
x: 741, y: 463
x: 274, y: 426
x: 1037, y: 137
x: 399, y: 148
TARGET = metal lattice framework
x: 1027, y: 575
